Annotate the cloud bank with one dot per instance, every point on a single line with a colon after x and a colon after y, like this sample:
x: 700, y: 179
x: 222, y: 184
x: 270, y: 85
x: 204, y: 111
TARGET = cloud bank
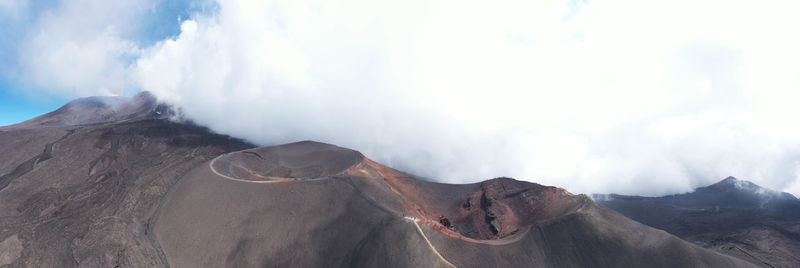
x: 634, y: 97
x: 80, y: 47
x: 75, y: 48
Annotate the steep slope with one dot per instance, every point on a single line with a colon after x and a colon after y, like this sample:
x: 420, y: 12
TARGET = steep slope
x: 79, y: 190
x: 311, y: 204
x: 732, y: 216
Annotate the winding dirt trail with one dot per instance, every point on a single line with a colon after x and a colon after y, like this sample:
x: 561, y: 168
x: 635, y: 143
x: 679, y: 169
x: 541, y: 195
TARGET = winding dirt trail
x: 211, y: 166
x: 433, y: 248
x: 278, y: 180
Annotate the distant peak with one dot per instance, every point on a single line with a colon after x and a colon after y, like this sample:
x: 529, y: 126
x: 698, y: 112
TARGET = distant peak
x: 102, y: 109
x: 144, y: 96
x: 732, y: 182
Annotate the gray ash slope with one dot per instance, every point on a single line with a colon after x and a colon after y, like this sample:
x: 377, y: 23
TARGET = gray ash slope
x: 733, y: 216
x: 112, y: 183
x: 310, y: 204
x: 79, y: 186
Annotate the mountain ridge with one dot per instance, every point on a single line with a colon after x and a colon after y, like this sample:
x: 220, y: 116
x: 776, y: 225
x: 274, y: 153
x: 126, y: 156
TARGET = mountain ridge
x: 115, y: 183
x: 389, y: 215
x: 101, y: 109
x: 733, y: 216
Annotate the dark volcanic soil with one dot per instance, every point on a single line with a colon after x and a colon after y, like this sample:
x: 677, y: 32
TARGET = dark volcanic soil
x: 110, y: 182
x: 361, y: 213
x: 300, y: 160
x: 735, y: 217
x: 79, y: 193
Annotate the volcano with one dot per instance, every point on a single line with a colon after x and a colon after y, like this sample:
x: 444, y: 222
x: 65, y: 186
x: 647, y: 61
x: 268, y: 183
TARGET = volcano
x: 119, y: 182
x: 733, y: 216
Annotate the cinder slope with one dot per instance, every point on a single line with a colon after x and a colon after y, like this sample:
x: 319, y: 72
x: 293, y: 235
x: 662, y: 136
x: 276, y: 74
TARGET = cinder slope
x: 82, y: 193
x: 87, y: 186
x: 20, y: 145
x: 210, y: 221
x: 351, y: 211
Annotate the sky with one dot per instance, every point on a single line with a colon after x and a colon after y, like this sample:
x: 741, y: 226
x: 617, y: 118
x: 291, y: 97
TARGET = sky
x: 17, y: 106
x: 631, y: 97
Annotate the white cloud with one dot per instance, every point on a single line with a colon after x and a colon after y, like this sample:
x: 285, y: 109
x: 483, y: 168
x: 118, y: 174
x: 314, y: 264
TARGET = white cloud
x: 12, y: 8
x: 641, y: 97
x: 82, y: 47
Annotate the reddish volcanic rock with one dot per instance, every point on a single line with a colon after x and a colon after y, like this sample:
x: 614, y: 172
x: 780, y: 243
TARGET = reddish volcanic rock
x: 492, y: 209
x: 503, y: 207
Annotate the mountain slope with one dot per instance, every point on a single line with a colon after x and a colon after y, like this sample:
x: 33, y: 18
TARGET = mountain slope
x: 78, y: 193
x: 732, y: 216
x: 112, y: 182
x: 312, y: 204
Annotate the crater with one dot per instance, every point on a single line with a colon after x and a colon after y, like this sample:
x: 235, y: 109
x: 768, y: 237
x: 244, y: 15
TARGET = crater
x: 493, y: 210
x: 300, y: 160
x: 503, y: 207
